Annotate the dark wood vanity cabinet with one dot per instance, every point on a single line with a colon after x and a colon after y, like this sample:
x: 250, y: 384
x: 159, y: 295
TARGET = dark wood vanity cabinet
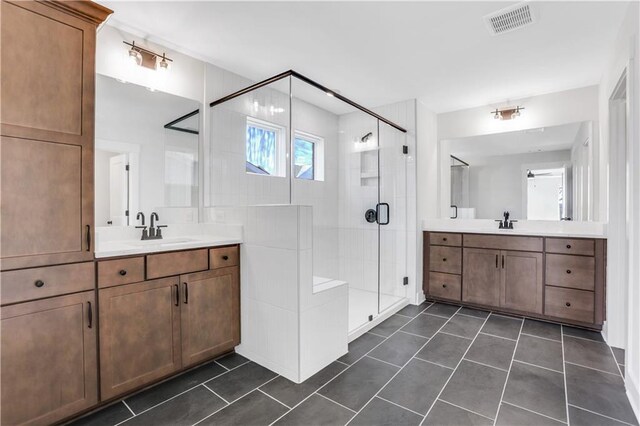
x: 556, y: 278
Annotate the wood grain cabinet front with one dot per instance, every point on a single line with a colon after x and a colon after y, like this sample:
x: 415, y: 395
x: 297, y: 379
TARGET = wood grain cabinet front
x: 224, y: 257
x: 210, y: 314
x: 178, y: 262
x: 120, y: 271
x: 447, y: 286
x: 481, y: 276
x: 521, y: 281
x: 139, y: 334
x: 567, y: 303
x: 48, y: 359
x: 571, y: 271
x: 445, y: 259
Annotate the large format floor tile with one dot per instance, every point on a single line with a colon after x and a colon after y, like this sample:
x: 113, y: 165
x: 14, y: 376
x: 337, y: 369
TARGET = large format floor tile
x: 442, y: 310
x: 463, y: 326
x: 399, y: 348
x: 186, y: 409
x: 600, y: 392
x: 580, y: 417
x: 255, y: 408
x: 232, y: 360
x: 317, y: 411
x: 381, y: 413
x: 424, y: 325
x: 542, y: 329
x: 359, y: 383
x: 494, y: 351
x: 582, y: 333
x: 389, y: 326
x: 359, y: 347
x: 444, y: 349
x: 474, y: 313
x: 443, y: 414
x: 290, y: 393
x: 109, y: 416
x: 589, y: 354
x: 542, y: 352
x: 537, y: 389
x: 241, y: 381
x: 172, y: 387
x: 413, y: 310
x: 512, y: 416
x: 476, y: 387
x: 417, y: 385
x: 503, y: 326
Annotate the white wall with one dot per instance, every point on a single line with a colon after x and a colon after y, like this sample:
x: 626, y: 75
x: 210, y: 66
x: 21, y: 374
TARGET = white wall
x: 623, y: 295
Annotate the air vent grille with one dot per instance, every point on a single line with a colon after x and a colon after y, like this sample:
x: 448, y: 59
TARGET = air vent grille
x: 510, y: 18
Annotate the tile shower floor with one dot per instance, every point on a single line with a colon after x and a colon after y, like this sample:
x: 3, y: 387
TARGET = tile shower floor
x: 432, y: 364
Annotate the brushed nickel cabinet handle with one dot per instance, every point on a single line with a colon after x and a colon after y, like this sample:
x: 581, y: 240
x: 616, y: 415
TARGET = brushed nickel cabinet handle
x: 39, y: 283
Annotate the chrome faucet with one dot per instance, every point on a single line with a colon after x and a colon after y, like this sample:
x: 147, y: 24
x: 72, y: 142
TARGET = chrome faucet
x: 506, y: 223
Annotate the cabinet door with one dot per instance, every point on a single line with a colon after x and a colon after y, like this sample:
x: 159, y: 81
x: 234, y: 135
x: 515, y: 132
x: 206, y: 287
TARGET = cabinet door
x: 210, y: 313
x: 48, y: 361
x: 481, y: 278
x: 139, y: 334
x: 521, y: 281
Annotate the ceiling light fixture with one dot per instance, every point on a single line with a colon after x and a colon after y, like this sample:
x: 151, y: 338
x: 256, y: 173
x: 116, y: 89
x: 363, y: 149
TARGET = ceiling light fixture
x: 147, y: 58
x: 509, y: 113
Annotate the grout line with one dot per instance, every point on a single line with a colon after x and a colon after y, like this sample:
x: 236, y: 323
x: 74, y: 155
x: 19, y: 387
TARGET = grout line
x: 343, y: 363
x: 425, y: 312
x: 127, y: 405
x: 386, y: 362
x: 216, y: 362
x: 454, y: 370
x: 521, y: 319
x: 564, y: 374
x: 540, y: 337
x: 486, y: 365
x: 434, y: 363
x: 534, y: 412
x: 279, y: 402
x: 499, y: 337
x: 403, y: 315
x: 213, y: 392
x: 506, y: 380
x: 537, y: 366
x: 591, y: 368
x: 398, y: 372
x: 454, y: 335
x: 462, y: 408
x: 582, y: 338
x: 212, y: 414
x: 616, y: 361
x: 379, y: 335
x: 398, y: 405
x: 337, y: 403
x: 472, y: 316
x: 599, y: 414
x: 413, y: 334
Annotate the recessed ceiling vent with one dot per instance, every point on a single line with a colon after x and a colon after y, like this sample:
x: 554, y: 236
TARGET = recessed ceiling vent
x: 510, y: 18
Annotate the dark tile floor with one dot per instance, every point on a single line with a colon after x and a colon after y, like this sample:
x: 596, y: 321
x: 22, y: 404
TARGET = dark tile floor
x: 434, y: 364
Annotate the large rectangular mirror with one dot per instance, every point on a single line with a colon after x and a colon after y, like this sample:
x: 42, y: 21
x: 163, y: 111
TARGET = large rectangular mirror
x: 544, y: 173
x: 146, y: 154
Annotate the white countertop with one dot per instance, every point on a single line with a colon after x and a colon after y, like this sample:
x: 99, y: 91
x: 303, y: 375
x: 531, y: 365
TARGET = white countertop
x: 125, y: 241
x: 567, y: 229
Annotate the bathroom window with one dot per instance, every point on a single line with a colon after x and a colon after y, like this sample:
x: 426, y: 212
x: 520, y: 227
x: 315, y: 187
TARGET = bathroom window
x: 265, y: 148
x: 308, y: 153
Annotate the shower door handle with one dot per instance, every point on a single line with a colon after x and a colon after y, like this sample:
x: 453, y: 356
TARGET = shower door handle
x: 379, y: 213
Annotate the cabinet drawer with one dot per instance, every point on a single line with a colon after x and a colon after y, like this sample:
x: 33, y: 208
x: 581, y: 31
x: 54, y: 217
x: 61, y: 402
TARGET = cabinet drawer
x: 38, y: 283
x: 446, y: 286
x: 223, y: 257
x: 176, y: 263
x: 503, y: 242
x: 120, y: 271
x: 577, y: 305
x: 570, y: 246
x: 445, y: 239
x: 571, y: 271
x: 445, y: 259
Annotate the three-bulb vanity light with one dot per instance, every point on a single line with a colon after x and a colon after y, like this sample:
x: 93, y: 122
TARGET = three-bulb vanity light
x: 147, y: 58
x: 509, y: 113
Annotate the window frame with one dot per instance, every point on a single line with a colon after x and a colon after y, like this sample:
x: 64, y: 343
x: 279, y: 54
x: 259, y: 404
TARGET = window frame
x: 318, y: 153
x: 280, y: 146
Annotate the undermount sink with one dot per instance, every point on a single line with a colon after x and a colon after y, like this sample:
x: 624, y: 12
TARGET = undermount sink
x: 161, y: 243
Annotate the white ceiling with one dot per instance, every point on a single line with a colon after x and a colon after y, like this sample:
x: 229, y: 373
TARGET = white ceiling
x: 554, y: 138
x: 382, y: 52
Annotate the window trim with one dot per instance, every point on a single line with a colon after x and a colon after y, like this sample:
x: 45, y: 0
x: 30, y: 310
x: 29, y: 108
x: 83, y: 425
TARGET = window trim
x: 280, y: 148
x: 318, y: 153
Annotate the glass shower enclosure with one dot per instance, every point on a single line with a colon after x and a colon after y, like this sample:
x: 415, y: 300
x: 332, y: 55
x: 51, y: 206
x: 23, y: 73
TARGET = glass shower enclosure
x: 290, y: 140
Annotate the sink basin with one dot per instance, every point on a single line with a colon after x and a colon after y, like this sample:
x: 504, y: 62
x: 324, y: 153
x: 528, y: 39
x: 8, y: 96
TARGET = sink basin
x: 161, y: 243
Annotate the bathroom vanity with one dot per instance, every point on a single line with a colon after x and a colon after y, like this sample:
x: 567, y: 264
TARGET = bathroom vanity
x: 549, y: 277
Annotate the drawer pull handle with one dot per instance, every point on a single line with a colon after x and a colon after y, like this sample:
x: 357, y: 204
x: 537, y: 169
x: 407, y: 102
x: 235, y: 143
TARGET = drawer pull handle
x: 225, y: 257
x: 568, y: 304
x: 568, y: 271
x: 568, y: 246
x: 39, y: 283
x: 444, y: 286
x: 123, y: 272
x: 444, y: 239
x: 444, y: 259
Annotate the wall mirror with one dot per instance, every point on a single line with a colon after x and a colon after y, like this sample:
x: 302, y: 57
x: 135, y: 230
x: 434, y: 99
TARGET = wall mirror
x: 543, y: 173
x: 146, y: 154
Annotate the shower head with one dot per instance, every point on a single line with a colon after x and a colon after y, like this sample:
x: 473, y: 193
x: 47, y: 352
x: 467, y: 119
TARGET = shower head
x: 366, y: 137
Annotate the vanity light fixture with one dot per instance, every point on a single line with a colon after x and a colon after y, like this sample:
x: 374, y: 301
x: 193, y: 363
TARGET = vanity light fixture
x: 509, y: 113
x: 147, y: 58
